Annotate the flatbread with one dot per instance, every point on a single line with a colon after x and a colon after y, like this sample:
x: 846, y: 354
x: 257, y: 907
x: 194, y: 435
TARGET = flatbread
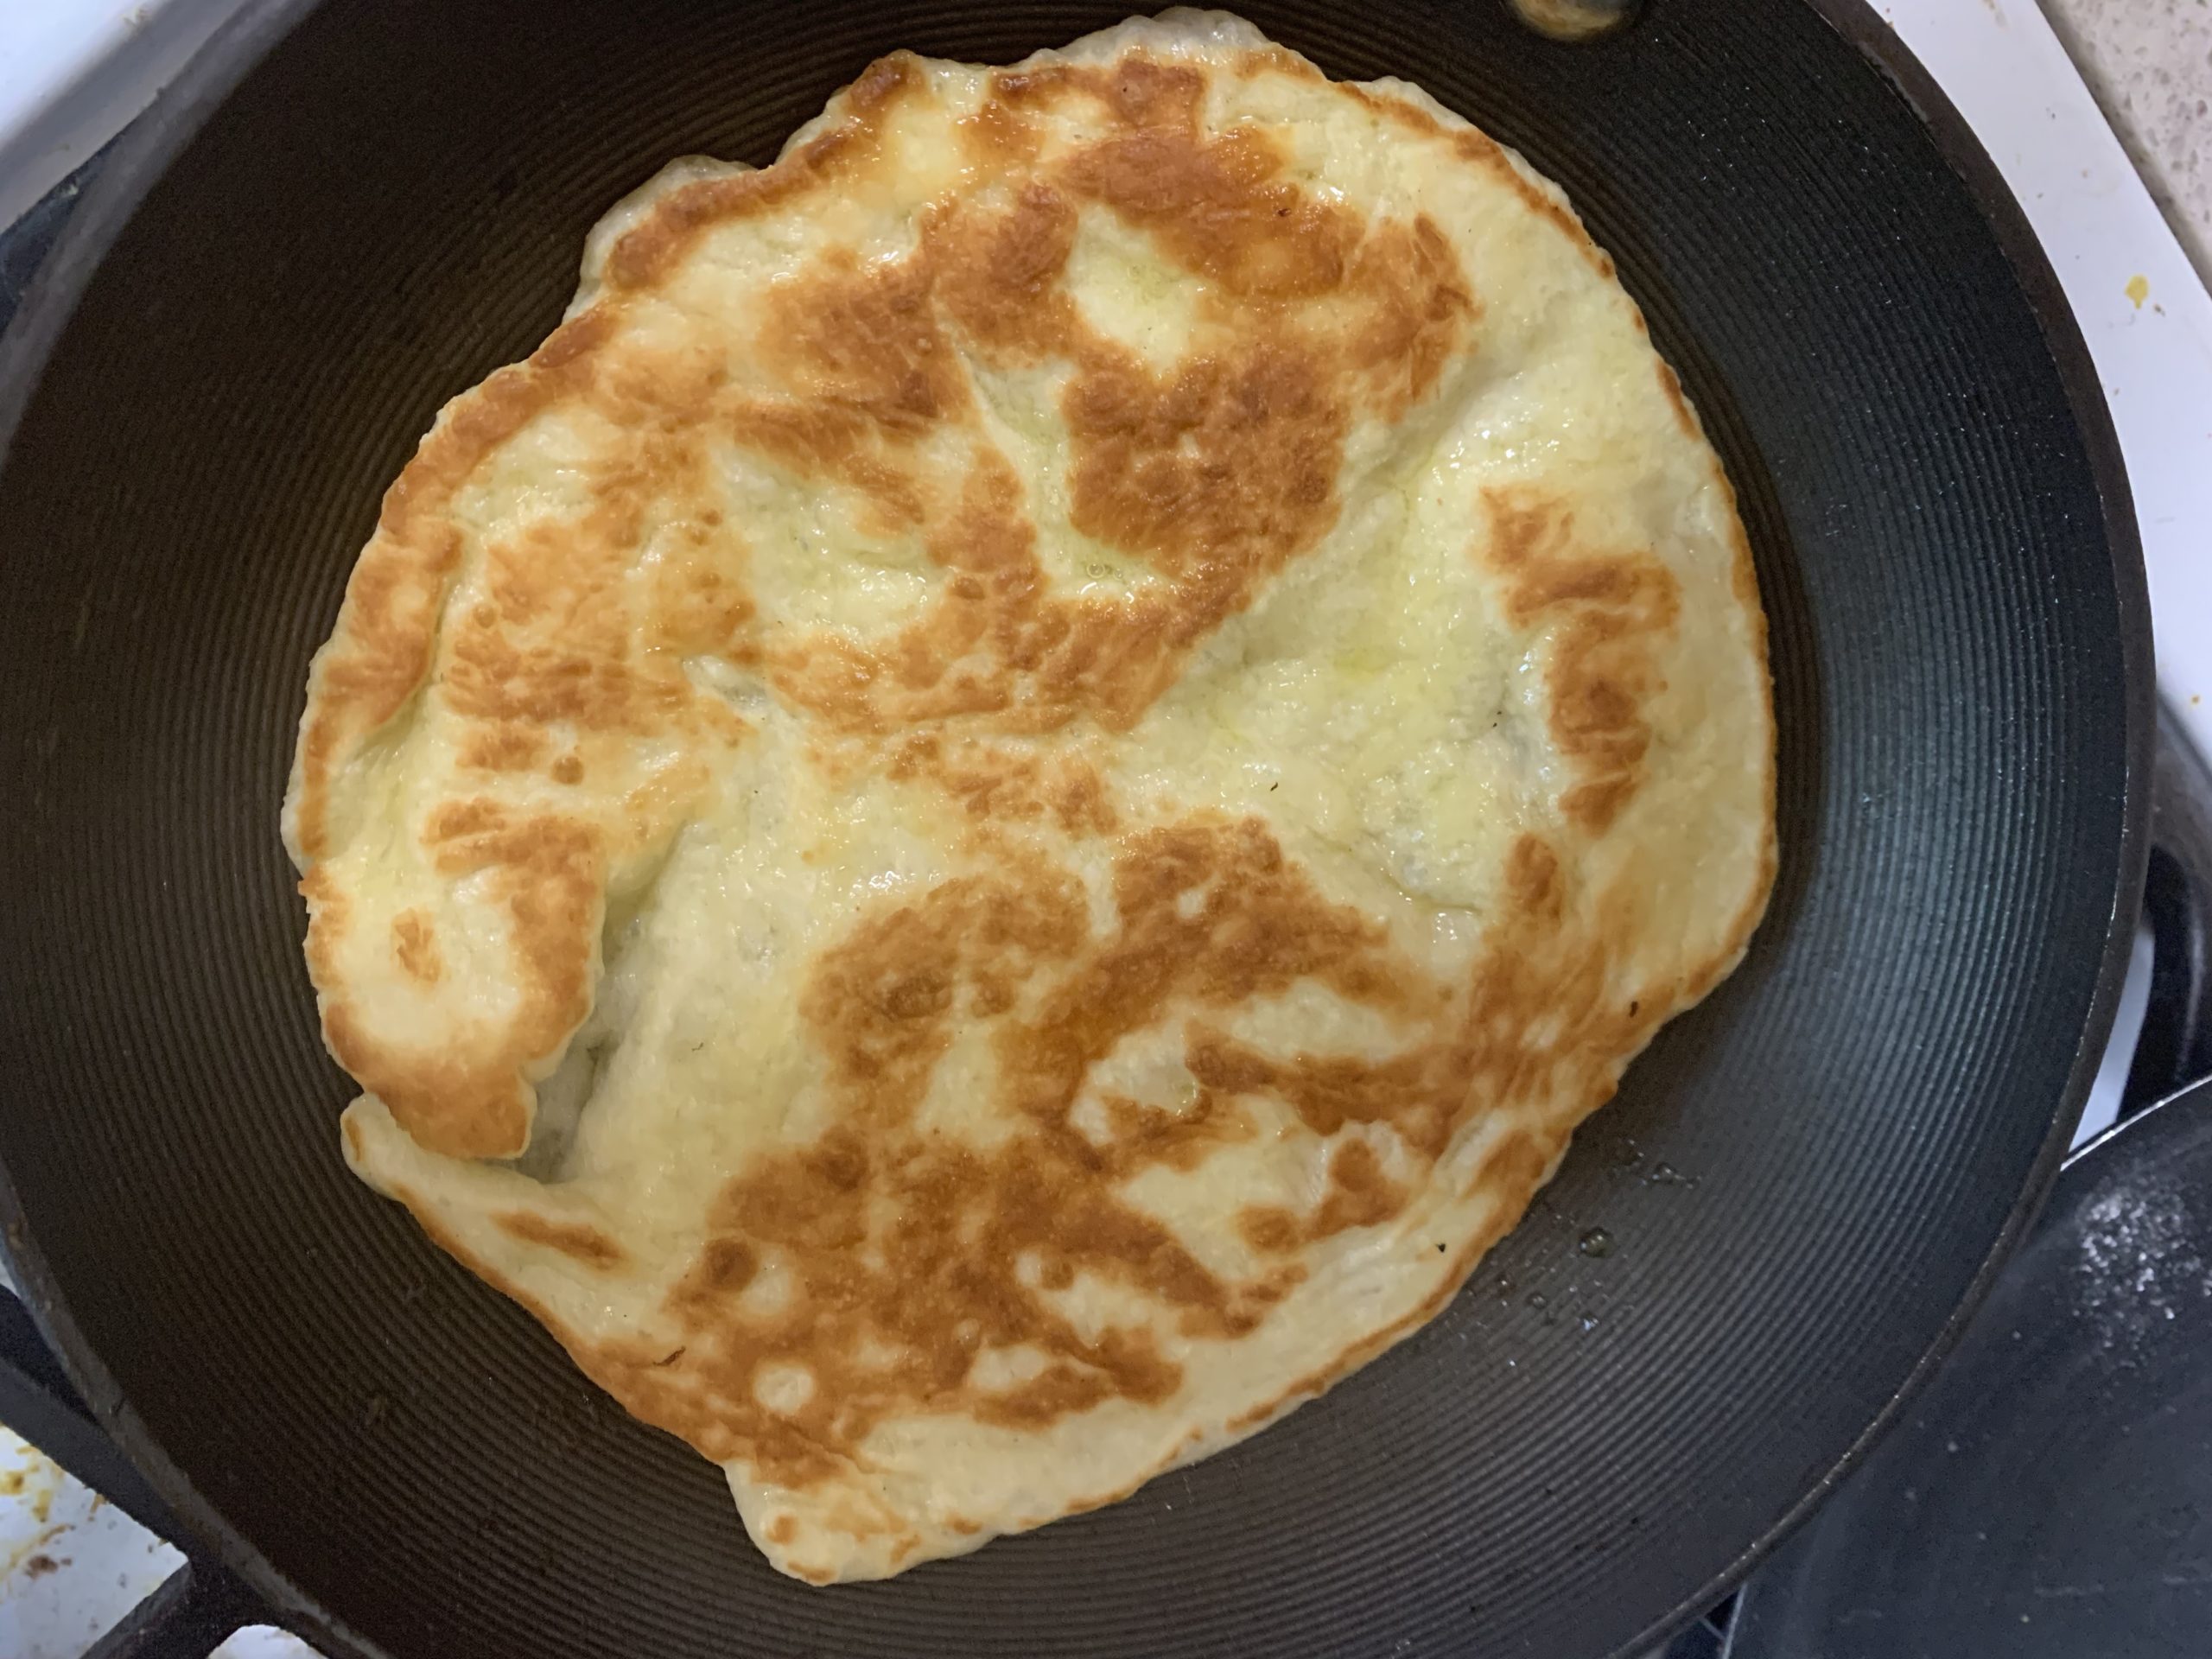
x: 998, y: 814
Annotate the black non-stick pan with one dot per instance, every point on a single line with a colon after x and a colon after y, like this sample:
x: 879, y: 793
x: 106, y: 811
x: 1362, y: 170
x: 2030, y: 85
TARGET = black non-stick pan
x: 346, y: 212
x: 2051, y: 1495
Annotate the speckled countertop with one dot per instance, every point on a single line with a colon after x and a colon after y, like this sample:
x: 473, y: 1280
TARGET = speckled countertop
x: 2149, y: 63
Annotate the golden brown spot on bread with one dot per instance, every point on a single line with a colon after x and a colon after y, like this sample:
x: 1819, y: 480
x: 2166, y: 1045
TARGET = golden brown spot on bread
x: 782, y: 1530
x: 1521, y: 1163
x: 503, y: 745
x: 1534, y: 882
x: 1217, y: 474
x: 387, y: 627
x: 699, y: 604
x: 1522, y: 1152
x: 830, y: 441
x: 1471, y: 145
x: 999, y: 274
x: 647, y: 252
x: 865, y: 342
x: 898, y: 1241
x: 566, y: 639
x: 467, y: 1099
x: 996, y: 780
x: 577, y: 1240
x: 563, y: 641
x: 1360, y: 1195
x: 1270, y: 1226
x: 1217, y: 205
x: 995, y: 137
x: 414, y: 941
x: 1216, y: 470
x: 1311, y: 320
x: 1534, y: 968
x: 1144, y: 1134
x: 998, y: 643
x: 1607, y: 612
x: 1420, y: 303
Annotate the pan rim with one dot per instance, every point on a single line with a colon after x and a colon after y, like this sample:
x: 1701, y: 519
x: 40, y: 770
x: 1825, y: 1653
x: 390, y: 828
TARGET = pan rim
x: 142, y: 155
x: 2120, y: 1153
x: 1961, y: 149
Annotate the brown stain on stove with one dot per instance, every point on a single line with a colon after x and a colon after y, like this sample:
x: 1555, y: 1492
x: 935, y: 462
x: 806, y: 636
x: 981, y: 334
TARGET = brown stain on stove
x: 36, y: 1481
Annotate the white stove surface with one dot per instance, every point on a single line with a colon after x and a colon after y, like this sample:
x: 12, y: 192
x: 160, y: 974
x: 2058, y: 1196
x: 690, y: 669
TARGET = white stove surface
x: 71, y: 1565
x: 73, y: 72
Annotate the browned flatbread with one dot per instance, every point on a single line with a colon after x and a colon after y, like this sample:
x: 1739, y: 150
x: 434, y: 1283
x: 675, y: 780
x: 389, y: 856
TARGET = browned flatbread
x: 1001, y: 810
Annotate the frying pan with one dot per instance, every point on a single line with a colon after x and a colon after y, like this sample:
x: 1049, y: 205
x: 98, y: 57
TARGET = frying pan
x: 2048, y: 1496
x: 346, y: 212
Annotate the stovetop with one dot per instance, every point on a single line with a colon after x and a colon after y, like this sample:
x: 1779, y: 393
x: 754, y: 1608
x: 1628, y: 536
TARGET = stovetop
x: 72, y: 72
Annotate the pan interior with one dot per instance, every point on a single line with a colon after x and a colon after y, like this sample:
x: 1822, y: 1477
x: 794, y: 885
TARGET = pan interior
x: 1798, y: 1183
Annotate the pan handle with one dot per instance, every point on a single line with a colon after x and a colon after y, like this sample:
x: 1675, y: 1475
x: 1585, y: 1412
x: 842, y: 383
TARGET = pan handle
x: 197, y: 1607
x: 2176, y: 1047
